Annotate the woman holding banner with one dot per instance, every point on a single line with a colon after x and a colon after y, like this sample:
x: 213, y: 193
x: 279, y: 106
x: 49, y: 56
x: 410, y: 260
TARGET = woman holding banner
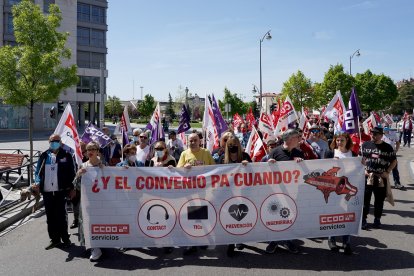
x: 341, y: 147
x: 162, y: 158
x: 233, y: 154
x: 92, y: 149
x: 130, y: 157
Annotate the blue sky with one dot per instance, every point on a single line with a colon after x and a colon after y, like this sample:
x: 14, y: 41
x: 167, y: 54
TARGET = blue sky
x: 210, y: 45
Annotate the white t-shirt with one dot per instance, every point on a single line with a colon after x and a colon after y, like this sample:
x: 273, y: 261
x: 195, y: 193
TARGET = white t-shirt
x: 142, y: 153
x: 339, y: 154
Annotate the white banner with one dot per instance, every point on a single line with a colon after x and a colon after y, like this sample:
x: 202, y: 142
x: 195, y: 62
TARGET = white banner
x: 221, y: 204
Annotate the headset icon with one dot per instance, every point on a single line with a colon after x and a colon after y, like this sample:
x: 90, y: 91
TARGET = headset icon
x: 149, y: 214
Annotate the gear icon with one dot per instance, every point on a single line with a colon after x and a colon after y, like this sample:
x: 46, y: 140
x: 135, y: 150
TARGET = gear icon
x: 284, y: 212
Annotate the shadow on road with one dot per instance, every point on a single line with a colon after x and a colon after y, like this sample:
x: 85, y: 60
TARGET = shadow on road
x: 369, y: 254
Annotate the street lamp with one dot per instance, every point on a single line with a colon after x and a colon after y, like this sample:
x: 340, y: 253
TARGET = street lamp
x: 268, y: 37
x: 357, y: 53
x: 95, y: 91
x: 186, y: 97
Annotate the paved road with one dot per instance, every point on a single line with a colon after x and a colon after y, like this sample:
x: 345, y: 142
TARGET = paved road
x: 388, y: 251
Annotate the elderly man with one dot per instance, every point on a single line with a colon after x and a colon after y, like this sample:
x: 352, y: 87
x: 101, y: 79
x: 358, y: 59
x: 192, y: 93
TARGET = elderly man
x: 175, y: 146
x: 194, y: 156
x: 286, y: 152
x: 379, y: 160
x: 54, y: 174
x: 319, y: 145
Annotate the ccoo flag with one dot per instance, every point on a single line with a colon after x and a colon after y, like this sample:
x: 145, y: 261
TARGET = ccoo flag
x: 184, y: 124
x: 351, y: 118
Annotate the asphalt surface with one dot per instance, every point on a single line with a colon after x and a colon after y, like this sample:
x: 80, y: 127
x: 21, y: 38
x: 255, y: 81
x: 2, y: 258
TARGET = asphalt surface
x: 386, y: 251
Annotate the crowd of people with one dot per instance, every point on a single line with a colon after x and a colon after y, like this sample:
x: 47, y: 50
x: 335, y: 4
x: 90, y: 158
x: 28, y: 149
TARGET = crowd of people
x: 58, y: 178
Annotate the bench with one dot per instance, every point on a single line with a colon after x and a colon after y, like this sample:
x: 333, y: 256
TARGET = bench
x: 11, y: 163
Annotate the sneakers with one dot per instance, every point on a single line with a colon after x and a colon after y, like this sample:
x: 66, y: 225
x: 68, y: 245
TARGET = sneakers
x: 74, y: 224
x: 347, y: 249
x: 52, y: 244
x: 271, y: 248
x: 290, y: 246
x: 332, y: 245
x: 240, y: 246
x: 96, y: 253
x: 399, y: 186
x: 377, y: 223
x: 364, y: 225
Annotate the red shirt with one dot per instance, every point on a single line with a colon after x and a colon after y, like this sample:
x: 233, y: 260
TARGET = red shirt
x: 357, y: 144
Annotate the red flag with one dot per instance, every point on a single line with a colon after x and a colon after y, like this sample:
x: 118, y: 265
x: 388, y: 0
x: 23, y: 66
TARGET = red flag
x: 250, y: 120
x: 276, y: 113
x: 237, y: 120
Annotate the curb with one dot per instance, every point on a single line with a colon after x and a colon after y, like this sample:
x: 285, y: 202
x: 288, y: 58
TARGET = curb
x: 18, y: 212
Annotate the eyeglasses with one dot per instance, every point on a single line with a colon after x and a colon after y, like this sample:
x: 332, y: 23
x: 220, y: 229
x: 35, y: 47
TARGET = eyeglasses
x: 143, y: 137
x: 314, y: 130
x: 159, y: 148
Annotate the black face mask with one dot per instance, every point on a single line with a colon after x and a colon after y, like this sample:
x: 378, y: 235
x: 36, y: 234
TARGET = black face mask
x: 233, y: 149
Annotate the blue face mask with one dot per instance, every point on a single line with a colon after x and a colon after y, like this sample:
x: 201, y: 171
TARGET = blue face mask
x: 54, y: 145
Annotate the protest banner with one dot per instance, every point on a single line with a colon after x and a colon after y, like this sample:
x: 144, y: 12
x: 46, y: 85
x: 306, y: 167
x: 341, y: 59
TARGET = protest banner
x: 221, y: 204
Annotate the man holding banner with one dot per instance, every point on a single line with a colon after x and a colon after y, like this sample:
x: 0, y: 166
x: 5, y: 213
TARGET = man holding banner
x: 286, y: 152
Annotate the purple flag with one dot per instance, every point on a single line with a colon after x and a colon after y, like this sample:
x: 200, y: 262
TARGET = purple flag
x: 93, y: 133
x: 184, y: 124
x: 221, y: 125
x: 351, y: 118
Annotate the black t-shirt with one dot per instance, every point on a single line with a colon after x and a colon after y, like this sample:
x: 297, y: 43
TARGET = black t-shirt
x: 378, y: 156
x: 245, y: 156
x: 281, y: 154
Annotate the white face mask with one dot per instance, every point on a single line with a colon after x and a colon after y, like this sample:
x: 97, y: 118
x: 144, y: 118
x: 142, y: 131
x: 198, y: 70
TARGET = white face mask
x: 159, y: 153
x: 132, y: 158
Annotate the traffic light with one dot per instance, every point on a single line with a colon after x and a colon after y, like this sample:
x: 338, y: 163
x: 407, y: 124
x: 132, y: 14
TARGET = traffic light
x: 60, y: 107
x: 52, y: 112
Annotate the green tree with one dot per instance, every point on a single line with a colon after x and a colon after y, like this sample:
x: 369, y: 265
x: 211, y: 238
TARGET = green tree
x: 335, y: 79
x: 170, y: 107
x: 32, y: 72
x: 299, y: 89
x: 237, y: 104
x: 375, y: 92
x: 113, y: 106
x: 147, y: 106
x: 405, y: 99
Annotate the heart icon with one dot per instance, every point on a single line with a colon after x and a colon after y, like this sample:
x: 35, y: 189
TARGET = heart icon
x: 238, y: 211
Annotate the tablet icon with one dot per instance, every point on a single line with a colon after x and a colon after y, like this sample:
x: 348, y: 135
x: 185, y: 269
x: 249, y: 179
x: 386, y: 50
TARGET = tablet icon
x: 197, y: 212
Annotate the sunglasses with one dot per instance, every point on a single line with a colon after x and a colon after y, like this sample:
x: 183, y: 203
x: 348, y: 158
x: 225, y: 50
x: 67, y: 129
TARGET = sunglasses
x: 91, y: 149
x: 314, y: 130
x: 159, y: 148
x: 143, y: 137
x: 55, y: 141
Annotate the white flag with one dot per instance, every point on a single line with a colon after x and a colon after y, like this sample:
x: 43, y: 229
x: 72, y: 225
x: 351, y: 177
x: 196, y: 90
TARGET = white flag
x: 369, y: 123
x: 266, y: 127
x: 124, y: 124
x: 335, y: 111
x: 254, y: 144
x: 211, y: 134
x: 287, y: 115
x: 68, y: 133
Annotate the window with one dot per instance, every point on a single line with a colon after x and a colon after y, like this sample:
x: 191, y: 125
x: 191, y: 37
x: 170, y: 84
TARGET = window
x: 83, y: 36
x: 46, y: 4
x: 84, y: 85
x: 98, y: 15
x: 84, y: 12
x: 97, y: 38
x: 96, y: 60
x: 13, y: 2
x: 9, y: 24
x: 83, y: 59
